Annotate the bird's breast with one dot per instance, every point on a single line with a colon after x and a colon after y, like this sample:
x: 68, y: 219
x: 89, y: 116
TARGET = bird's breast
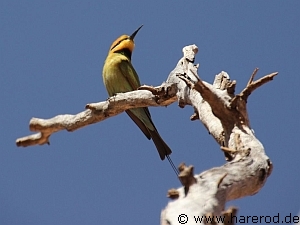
x: 114, y: 79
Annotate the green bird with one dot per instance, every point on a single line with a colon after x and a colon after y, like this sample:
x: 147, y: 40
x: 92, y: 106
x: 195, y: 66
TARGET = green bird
x: 119, y: 76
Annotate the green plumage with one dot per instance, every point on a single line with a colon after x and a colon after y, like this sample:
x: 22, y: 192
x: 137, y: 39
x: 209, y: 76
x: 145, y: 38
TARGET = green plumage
x: 119, y: 76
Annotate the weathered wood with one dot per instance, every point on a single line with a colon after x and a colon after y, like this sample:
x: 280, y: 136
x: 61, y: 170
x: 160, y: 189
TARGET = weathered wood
x: 224, y: 115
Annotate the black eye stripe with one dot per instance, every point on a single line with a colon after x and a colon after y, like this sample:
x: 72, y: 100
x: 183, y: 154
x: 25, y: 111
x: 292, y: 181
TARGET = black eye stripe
x: 118, y: 43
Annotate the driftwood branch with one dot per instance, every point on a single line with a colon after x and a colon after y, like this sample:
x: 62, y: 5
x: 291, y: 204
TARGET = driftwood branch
x: 224, y: 115
x: 96, y: 112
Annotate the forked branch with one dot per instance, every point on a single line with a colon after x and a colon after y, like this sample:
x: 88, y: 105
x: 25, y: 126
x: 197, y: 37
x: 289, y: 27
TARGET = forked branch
x: 223, y: 114
x: 96, y: 112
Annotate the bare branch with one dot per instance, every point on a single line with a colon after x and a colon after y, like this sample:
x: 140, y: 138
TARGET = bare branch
x: 252, y: 76
x: 96, y: 112
x: 223, y: 114
x: 256, y: 84
x: 186, y: 177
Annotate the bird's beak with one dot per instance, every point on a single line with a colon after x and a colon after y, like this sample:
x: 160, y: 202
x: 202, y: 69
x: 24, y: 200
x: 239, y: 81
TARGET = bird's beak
x: 135, y: 32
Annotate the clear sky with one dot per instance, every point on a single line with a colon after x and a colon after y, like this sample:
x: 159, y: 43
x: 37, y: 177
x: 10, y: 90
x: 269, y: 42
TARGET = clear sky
x: 51, y: 58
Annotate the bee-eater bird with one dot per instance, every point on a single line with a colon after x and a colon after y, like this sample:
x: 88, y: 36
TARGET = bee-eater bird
x: 119, y: 76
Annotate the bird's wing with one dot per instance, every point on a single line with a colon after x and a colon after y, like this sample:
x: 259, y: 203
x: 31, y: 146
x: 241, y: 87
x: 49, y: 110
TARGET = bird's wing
x: 130, y: 74
x: 141, y: 116
x: 132, y: 78
x: 139, y: 123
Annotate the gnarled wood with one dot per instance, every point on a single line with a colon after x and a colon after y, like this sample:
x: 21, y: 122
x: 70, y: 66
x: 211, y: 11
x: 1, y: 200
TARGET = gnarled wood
x: 224, y: 115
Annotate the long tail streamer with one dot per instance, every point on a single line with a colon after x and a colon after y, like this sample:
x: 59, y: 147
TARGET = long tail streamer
x: 172, y: 165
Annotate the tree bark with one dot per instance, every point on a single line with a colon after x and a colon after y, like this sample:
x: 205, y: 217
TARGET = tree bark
x: 224, y: 115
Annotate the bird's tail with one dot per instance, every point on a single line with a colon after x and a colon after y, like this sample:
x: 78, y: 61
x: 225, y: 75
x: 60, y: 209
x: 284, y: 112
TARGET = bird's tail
x: 163, y: 149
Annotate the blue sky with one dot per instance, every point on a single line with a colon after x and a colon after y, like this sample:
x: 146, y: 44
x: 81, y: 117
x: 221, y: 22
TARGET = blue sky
x: 51, y: 58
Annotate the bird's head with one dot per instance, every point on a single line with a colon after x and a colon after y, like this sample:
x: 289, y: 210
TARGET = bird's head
x: 124, y: 42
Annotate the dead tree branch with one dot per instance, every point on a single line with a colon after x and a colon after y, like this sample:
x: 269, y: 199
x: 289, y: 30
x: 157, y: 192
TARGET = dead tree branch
x: 96, y: 112
x: 224, y: 115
